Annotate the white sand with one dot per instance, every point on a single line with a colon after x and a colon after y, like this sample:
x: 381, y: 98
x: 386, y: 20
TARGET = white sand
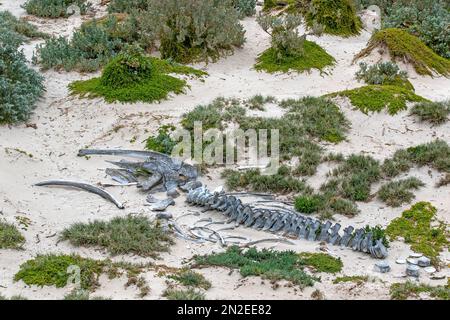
x: 66, y: 124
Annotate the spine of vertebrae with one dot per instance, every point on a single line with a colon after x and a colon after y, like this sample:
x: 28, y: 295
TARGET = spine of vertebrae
x: 287, y: 222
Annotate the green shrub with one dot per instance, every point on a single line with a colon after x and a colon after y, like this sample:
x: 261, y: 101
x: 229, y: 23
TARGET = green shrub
x: 185, y: 294
x: 435, y: 154
x: 127, y: 6
x: 190, y: 278
x: 383, y: 73
x: 246, y: 8
x: 268, y: 264
x: 433, y: 112
x: 10, y: 237
x: 375, y: 98
x: 127, y: 69
x: 131, y: 234
x: 162, y: 142
x: 308, y: 204
x: 427, y: 19
x: 20, y: 86
x: 193, y: 30
x: 91, y: 47
x: 131, y: 77
x: 403, y: 291
x: 396, y: 193
x: 337, y: 17
x: 406, y: 47
x: 54, y: 8
x: 416, y: 226
x: 378, y: 233
x: 49, y: 270
x: 19, y: 26
x: 289, y: 50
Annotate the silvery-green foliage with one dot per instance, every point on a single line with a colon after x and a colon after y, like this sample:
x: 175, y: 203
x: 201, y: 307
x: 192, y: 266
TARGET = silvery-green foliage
x: 246, y: 8
x: 193, y: 30
x: 286, y: 39
x: 380, y: 73
x: 427, y: 19
x: 20, y: 86
x: 54, y: 8
x: 91, y: 47
x: 127, y: 6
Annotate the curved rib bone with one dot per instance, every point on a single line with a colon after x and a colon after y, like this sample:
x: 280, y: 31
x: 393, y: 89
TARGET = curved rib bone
x: 84, y: 186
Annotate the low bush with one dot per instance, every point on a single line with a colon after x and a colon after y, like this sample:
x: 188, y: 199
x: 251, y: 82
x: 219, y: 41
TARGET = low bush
x: 91, y: 47
x: 289, y: 50
x: 406, y: 47
x: 9, y: 22
x: 20, y: 86
x: 383, y: 73
x: 193, y: 30
x: 246, y: 8
x: 128, y: 235
x: 189, y: 278
x: 432, y: 112
x: 403, y: 291
x: 337, y: 17
x: 10, y: 237
x: 54, y: 8
x: 162, y: 143
x: 396, y: 193
x: 183, y: 294
x: 268, y: 264
x: 49, y: 270
x: 127, y: 6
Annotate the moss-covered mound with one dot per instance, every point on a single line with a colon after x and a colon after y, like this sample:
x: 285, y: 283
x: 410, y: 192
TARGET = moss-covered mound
x: 131, y: 77
x: 313, y: 57
x: 406, y: 47
x: 417, y: 227
x: 378, y: 97
x: 337, y: 17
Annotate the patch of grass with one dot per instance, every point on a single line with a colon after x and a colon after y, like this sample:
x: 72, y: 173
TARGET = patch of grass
x: 415, y: 226
x: 268, y: 264
x: 163, y: 142
x: 54, y: 8
x: 20, y: 26
x: 258, y: 101
x: 183, y: 294
x: 357, y: 279
x: 253, y: 180
x: 51, y: 269
x: 10, y: 236
x: 353, y: 178
x: 17, y: 297
x: 132, y: 77
x: 405, y: 47
x: 403, y: 291
x: 313, y: 57
x: 308, y: 204
x: 321, y: 262
x: 121, y: 235
x: 190, y: 278
x: 376, y: 98
x: 81, y: 294
x: 435, y: 154
x: 396, y: 193
x: 432, y: 112
x: 317, y: 295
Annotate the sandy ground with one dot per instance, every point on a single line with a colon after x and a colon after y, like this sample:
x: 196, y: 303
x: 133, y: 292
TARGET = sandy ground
x: 65, y: 124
